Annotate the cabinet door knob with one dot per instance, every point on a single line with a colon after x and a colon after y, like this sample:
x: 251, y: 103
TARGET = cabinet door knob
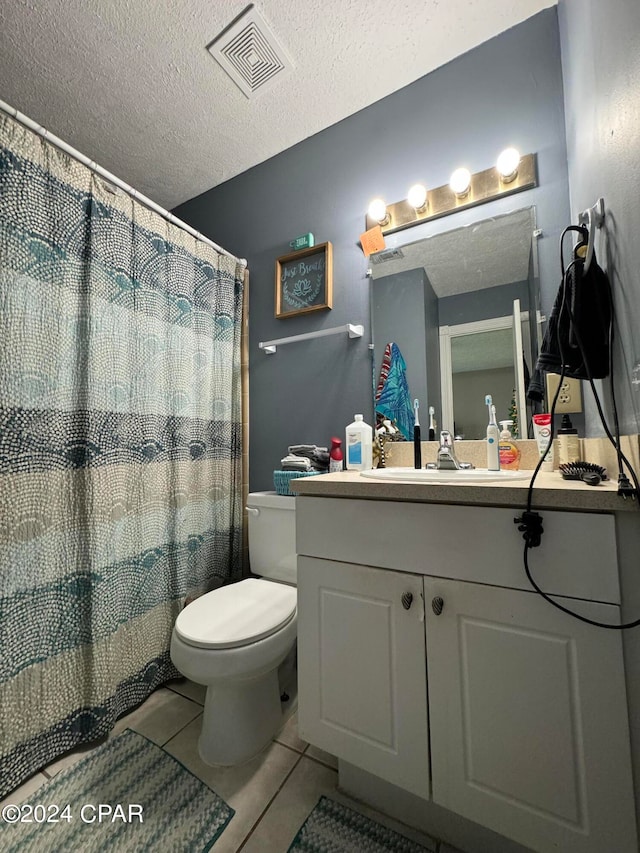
x: 407, y: 598
x: 437, y: 605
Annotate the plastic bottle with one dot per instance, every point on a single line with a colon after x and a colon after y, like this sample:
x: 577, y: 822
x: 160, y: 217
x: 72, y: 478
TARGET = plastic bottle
x: 508, y: 450
x: 542, y: 435
x: 335, y: 456
x: 359, y: 445
x: 568, y: 442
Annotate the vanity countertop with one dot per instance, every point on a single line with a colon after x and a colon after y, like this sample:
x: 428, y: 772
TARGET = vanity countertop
x: 550, y: 492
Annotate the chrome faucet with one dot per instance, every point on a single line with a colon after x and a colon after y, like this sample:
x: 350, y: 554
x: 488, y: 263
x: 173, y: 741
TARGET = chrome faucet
x: 446, y: 459
x: 446, y: 456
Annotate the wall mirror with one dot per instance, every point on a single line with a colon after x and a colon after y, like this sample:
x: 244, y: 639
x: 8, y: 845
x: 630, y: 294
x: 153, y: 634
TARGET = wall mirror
x: 463, y: 307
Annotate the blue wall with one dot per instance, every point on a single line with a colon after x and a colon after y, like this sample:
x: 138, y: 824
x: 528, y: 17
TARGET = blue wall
x: 508, y: 91
x: 460, y: 309
x: 601, y: 67
x: 401, y: 306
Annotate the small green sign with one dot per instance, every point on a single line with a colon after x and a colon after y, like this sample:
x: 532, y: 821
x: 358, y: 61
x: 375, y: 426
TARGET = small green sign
x: 304, y: 241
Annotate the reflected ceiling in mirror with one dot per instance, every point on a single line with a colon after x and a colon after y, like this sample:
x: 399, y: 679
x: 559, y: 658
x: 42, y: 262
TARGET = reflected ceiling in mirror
x: 485, y: 254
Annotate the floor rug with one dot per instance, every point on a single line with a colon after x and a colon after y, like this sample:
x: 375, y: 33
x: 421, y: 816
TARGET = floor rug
x: 127, y: 795
x: 334, y: 828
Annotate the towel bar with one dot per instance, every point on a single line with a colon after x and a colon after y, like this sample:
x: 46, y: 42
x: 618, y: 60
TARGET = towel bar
x: 353, y: 331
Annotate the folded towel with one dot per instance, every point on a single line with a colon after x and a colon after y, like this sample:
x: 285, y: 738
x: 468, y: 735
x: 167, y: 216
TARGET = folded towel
x: 305, y: 449
x: 317, y: 456
x: 320, y: 460
x: 295, y: 463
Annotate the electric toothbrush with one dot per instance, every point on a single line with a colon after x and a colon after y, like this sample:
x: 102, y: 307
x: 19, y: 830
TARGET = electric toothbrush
x: 417, y: 450
x: 493, y: 437
x: 432, y: 424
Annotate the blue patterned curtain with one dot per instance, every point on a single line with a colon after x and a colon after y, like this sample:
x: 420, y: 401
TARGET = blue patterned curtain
x: 120, y: 446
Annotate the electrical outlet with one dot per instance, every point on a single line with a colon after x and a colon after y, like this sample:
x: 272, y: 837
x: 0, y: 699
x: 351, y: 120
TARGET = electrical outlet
x: 570, y: 396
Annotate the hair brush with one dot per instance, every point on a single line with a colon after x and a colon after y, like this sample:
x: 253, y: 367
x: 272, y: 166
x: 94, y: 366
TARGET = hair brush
x: 588, y: 472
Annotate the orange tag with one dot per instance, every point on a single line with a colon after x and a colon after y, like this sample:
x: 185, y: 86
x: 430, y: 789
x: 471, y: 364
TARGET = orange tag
x: 372, y: 241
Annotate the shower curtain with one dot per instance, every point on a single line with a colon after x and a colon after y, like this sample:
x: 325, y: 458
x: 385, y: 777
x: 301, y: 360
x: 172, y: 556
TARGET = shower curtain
x: 120, y: 446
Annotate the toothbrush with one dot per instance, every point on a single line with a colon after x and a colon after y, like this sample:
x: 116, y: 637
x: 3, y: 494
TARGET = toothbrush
x: 493, y: 437
x: 417, y: 450
x: 432, y: 424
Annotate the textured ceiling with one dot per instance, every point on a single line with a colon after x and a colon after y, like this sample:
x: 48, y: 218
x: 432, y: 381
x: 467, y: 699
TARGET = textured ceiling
x: 489, y: 253
x: 131, y: 84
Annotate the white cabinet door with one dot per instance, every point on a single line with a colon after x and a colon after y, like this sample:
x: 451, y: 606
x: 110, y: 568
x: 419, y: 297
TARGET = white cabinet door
x: 361, y: 669
x: 529, y: 731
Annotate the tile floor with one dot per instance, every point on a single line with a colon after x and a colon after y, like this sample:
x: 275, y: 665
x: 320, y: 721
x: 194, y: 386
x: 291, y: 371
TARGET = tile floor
x: 271, y: 794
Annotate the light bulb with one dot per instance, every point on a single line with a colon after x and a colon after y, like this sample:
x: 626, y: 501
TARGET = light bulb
x: 460, y: 182
x: 378, y: 210
x: 417, y: 197
x: 507, y: 164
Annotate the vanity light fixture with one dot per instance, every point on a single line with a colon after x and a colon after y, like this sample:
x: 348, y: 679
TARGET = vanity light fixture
x: 460, y: 182
x: 378, y: 211
x: 507, y: 165
x: 465, y: 190
x: 417, y: 197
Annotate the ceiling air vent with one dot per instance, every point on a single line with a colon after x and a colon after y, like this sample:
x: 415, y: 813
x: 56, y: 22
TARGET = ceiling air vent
x: 250, y: 53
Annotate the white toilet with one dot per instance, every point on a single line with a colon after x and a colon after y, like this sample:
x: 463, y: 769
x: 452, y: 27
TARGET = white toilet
x: 234, y: 638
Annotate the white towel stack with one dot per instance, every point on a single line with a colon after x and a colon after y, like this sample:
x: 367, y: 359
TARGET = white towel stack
x: 295, y: 463
x: 306, y: 457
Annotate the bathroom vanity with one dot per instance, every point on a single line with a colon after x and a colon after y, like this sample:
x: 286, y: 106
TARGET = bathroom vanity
x: 429, y: 666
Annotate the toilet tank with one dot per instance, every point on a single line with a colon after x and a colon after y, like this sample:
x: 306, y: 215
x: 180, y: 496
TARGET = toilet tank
x: 272, y: 536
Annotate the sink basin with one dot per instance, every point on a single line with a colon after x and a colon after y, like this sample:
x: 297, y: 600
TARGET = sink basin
x: 430, y: 475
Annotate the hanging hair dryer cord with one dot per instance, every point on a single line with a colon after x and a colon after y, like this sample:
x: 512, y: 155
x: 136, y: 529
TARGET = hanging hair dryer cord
x: 530, y: 523
x: 625, y: 488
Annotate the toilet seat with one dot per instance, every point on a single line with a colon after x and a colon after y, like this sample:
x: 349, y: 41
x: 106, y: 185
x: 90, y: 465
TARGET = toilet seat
x: 237, y: 615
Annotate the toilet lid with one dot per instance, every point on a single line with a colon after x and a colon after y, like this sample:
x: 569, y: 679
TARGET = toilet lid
x: 237, y: 614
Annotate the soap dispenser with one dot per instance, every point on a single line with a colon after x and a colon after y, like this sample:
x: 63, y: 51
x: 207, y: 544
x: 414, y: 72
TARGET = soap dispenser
x: 508, y: 450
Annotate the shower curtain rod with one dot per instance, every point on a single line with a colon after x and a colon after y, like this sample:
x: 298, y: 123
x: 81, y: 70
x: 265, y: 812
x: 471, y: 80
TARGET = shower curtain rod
x: 112, y: 179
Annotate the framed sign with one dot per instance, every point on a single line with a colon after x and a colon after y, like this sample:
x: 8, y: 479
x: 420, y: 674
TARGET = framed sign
x: 304, y: 281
